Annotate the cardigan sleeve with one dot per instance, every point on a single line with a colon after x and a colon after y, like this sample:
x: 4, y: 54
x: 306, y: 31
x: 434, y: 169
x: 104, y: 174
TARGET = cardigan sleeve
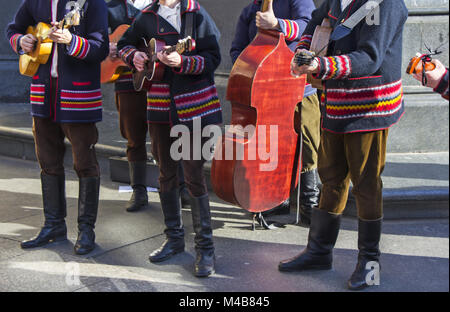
x: 94, y: 46
x: 443, y: 87
x: 317, y: 16
x: 127, y: 45
x: 294, y: 27
x: 241, y: 38
x: 374, y: 41
x: 207, y: 57
x: 18, y: 27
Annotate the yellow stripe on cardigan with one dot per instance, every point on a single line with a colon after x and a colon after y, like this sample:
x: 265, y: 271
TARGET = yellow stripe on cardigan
x: 81, y: 103
x: 359, y: 107
x: 189, y: 110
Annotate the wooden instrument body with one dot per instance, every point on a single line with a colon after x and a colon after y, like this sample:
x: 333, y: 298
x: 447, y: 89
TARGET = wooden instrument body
x: 153, y: 69
x: 262, y: 92
x: 113, y: 67
x: 29, y: 63
x: 415, y: 65
x: 320, y: 39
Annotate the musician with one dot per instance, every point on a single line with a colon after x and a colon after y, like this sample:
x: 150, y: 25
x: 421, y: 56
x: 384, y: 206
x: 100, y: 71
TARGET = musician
x: 187, y: 92
x: 66, y: 101
x: 363, y: 98
x: 437, y: 79
x: 132, y: 106
x: 291, y: 18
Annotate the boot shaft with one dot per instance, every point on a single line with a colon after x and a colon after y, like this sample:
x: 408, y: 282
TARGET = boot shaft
x: 53, y: 198
x: 88, y: 200
x: 171, y: 207
x: 201, y: 219
x: 323, y: 231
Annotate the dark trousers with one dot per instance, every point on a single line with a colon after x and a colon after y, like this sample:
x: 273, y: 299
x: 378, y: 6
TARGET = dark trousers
x: 132, y: 108
x: 50, y: 149
x: 168, y: 168
x: 359, y: 157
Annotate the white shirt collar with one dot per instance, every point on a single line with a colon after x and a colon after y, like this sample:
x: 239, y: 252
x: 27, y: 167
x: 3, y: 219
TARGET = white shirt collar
x: 140, y: 4
x: 172, y: 15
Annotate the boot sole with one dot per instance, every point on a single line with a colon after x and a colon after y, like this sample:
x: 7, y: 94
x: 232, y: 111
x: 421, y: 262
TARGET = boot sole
x: 50, y: 241
x: 138, y: 208
x: 307, y: 268
x: 158, y: 260
x: 205, y: 275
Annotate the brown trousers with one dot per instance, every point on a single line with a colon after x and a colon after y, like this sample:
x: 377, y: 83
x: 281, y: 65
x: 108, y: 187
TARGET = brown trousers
x: 132, y: 108
x: 50, y: 149
x: 309, y: 125
x: 359, y: 157
x: 168, y: 168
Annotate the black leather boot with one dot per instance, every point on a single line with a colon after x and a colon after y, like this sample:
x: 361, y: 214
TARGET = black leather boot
x: 204, y: 246
x: 369, y: 234
x: 88, y: 198
x: 318, y: 254
x: 282, y: 209
x: 174, y: 243
x: 138, y: 181
x: 309, y: 195
x: 54, y: 200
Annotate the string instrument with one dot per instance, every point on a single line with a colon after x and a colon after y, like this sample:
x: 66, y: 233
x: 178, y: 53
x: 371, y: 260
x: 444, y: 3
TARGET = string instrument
x: 29, y: 63
x: 416, y: 64
x: 153, y: 68
x: 320, y: 40
x: 113, y: 67
x: 262, y: 93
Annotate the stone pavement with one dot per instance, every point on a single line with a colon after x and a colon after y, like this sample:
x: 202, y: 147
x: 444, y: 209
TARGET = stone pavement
x: 415, y: 252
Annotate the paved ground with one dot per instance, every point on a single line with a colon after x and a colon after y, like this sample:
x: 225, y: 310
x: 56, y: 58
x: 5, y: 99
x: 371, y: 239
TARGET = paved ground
x: 415, y: 253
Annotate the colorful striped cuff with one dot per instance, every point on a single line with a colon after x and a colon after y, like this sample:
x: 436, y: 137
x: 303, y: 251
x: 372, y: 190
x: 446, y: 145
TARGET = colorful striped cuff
x: 305, y: 42
x: 79, y: 47
x: 127, y: 54
x: 334, y: 67
x: 191, y: 65
x: 289, y: 28
x: 14, y: 42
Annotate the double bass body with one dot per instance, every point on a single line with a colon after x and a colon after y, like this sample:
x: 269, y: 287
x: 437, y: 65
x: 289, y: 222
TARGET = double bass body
x: 263, y: 95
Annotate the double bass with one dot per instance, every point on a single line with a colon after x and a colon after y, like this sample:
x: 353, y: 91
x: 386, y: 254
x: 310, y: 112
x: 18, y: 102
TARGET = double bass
x: 263, y: 93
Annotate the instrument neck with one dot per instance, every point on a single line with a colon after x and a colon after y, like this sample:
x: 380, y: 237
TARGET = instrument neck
x: 265, y: 6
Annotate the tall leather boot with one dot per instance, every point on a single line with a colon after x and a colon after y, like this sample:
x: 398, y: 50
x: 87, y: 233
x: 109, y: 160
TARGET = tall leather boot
x: 204, y: 246
x: 174, y: 243
x: 55, y: 210
x: 309, y: 195
x: 138, y: 181
x: 88, y: 198
x: 318, y: 254
x: 369, y: 234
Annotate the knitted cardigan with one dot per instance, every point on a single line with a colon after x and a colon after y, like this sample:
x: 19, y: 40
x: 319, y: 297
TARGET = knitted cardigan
x: 292, y: 15
x: 120, y: 12
x: 442, y: 87
x: 362, y: 72
x: 189, y: 92
x: 79, y: 97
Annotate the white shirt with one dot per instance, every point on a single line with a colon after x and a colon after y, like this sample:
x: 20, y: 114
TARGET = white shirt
x: 345, y: 3
x: 173, y: 16
x: 54, y: 71
x: 140, y: 4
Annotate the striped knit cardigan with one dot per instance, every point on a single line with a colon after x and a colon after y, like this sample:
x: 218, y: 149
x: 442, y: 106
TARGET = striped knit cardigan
x: 362, y: 74
x: 79, y: 97
x: 189, y: 92
x: 442, y: 88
